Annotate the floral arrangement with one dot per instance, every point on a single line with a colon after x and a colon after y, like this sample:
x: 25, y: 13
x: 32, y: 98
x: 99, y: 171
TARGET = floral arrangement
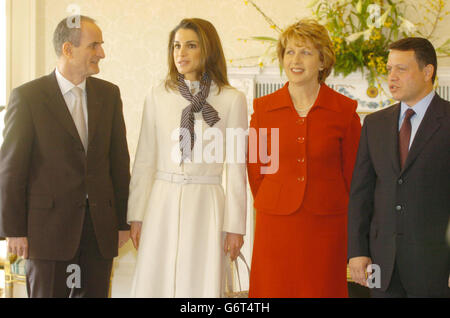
x: 361, y: 31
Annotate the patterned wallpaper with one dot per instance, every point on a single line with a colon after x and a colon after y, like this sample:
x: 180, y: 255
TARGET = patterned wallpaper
x: 136, y: 31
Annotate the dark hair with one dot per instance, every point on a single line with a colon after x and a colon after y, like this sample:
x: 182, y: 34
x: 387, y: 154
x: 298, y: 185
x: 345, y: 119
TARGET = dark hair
x: 69, y: 30
x: 212, y: 57
x: 423, y: 50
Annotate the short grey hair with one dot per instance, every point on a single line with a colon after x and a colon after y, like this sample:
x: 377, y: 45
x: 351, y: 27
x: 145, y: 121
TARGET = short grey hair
x: 67, y: 31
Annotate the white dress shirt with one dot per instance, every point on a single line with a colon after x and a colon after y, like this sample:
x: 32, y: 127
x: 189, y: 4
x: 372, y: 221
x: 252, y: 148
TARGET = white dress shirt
x: 420, y: 109
x: 194, y: 86
x: 66, y: 89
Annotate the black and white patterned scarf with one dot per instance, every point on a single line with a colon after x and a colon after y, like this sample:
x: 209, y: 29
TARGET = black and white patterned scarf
x: 197, y: 103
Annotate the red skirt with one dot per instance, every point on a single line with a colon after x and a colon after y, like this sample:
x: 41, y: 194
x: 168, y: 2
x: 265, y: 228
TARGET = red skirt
x: 299, y: 255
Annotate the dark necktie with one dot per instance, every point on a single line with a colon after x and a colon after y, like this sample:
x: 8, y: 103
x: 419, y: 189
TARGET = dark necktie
x: 404, y: 136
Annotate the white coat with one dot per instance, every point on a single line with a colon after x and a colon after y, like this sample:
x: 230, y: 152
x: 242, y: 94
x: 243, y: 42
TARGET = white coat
x: 181, y: 246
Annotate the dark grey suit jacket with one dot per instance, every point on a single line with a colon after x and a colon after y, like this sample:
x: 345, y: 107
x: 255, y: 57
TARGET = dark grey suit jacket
x: 45, y: 173
x: 402, y: 215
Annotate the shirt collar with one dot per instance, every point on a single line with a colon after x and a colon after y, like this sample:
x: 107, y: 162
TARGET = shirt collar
x: 283, y: 99
x: 65, y: 85
x: 325, y: 99
x: 188, y: 82
x: 420, y: 108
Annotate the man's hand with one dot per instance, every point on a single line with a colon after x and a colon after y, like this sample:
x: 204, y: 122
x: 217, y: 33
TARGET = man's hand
x: 358, y: 269
x: 18, y: 246
x: 136, y: 233
x: 233, y: 244
x: 124, y: 236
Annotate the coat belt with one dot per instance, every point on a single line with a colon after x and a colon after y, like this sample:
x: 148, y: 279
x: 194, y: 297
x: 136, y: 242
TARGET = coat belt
x: 187, y: 179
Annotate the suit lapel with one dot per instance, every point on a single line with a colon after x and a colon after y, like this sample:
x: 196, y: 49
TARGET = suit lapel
x: 94, y: 106
x: 429, y: 125
x: 57, y: 105
x: 392, y: 136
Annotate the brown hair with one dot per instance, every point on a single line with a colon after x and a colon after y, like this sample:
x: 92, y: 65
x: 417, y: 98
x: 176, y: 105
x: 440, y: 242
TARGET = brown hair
x: 423, y: 50
x: 212, y: 57
x: 310, y: 30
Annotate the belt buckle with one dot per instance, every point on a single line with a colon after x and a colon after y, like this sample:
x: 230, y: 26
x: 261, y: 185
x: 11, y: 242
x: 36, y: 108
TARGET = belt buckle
x: 187, y: 179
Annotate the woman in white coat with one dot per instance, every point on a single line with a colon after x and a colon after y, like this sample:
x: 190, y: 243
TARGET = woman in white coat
x: 183, y: 222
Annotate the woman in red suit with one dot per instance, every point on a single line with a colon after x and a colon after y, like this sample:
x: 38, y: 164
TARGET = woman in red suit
x: 300, y: 247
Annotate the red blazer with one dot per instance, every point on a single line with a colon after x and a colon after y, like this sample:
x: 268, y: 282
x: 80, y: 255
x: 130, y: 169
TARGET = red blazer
x: 316, y: 153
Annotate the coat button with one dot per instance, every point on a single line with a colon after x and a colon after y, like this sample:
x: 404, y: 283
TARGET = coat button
x: 398, y: 207
x: 301, y: 179
x: 301, y: 160
x: 400, y: 181
x: 301, y: 121
x: 301, y: 139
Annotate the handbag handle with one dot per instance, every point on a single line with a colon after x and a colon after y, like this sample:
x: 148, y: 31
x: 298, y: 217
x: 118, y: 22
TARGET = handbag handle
x: 237, y: 268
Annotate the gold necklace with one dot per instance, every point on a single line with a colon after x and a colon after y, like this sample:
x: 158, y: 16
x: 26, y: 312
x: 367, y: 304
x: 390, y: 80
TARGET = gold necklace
x: 303, y: 109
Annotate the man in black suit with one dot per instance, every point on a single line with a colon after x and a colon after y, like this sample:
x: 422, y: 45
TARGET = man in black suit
x: 64, y: 170
x: 400, y: 194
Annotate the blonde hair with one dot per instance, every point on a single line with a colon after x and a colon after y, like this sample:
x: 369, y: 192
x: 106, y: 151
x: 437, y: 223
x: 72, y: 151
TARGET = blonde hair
x: 310, y: 30
x: 212, y: 59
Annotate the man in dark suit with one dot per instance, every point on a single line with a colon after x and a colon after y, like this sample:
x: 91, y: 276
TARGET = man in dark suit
x: 64, y: 170
x: 400, y: 194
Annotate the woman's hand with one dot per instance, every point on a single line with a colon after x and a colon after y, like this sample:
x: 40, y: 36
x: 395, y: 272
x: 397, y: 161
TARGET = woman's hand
x: 136, y: 233
x: 233, y: 244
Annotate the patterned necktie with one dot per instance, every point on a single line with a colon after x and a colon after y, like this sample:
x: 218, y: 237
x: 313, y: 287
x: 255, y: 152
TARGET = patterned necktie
x: 197, y: 103
x: 78, y: 117
x: 404, y: 137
